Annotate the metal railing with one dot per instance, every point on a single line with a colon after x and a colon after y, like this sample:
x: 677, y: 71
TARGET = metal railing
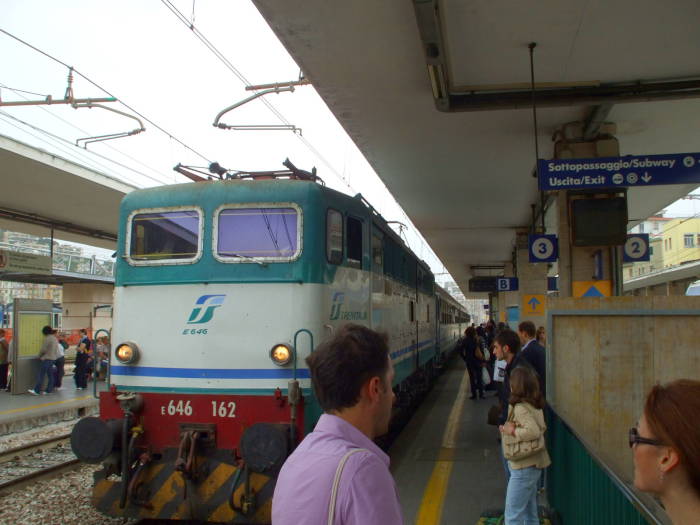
x: 68, y: 262
x: 583, y: 489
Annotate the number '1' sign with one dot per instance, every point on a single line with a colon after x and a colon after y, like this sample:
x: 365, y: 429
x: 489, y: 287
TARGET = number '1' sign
x: 636, y: 248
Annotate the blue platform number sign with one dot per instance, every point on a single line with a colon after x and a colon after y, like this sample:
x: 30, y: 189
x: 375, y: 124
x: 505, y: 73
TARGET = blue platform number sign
x: 543, y: 248
x: 636, y: 248
x: 507, y: 284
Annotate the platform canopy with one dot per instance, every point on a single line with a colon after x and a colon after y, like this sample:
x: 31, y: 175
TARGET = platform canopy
x: 435, y: 94
x: 41, y: 191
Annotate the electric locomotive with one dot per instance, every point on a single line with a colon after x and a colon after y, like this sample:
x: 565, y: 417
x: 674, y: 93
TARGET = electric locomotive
x: 222, y: 289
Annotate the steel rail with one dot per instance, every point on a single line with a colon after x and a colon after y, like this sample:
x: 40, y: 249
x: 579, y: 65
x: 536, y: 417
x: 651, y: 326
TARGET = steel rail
x: 20, y: 481
x: 12, y: 453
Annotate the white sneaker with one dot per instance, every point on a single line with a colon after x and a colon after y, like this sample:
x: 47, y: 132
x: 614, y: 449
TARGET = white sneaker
x: 33, y: 392
x: 58, y: 388
x: 43, y: 393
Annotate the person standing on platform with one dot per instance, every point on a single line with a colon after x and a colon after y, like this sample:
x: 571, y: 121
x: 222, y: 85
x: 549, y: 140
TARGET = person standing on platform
x: 82, y: 357
x: 507, y: 348
x: 474, y: 359
x: 541, y: 336
x: 60, y: 362
x: 533, y: 352
x: 524, y: 447
x: 666, y: 449
x: 48, y: 353
x: 4, y: 359
x: 338, y: 474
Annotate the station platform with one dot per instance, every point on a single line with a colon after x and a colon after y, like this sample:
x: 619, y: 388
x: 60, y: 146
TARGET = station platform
x: 446, y: 461
x: 25, y: 411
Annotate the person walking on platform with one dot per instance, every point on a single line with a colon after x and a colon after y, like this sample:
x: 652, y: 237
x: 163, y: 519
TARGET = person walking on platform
x: 474, y: 359
x: 338, y: 474
x: 524, y: 447
x: 666, y: 449
x: 4, y: 359
x: 533, y: 352
x: 82, y: 357
x: 48, y: 353
x: 60, y: 362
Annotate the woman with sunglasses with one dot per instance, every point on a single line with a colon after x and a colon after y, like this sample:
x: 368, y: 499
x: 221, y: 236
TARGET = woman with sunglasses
x: 666, y: 448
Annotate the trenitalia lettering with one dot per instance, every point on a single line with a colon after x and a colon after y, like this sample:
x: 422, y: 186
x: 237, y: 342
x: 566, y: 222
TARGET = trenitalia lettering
x: 613, y: 166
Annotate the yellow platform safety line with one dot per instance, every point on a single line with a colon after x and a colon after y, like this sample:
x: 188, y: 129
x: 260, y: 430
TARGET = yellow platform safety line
x: 32, y: 407
x: 430, y: 510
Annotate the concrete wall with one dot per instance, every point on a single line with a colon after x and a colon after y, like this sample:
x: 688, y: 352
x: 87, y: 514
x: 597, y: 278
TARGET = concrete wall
x: 601, y: 367
x: 79, y: 301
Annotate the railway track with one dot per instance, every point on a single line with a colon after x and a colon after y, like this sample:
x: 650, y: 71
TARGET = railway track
x: 23, y: 465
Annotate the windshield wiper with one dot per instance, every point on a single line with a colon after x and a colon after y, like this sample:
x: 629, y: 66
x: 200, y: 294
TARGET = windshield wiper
x: 247, y: 258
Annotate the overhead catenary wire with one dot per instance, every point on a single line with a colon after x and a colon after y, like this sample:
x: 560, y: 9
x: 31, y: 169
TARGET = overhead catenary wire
x: 77, y: 152
x: 66, y: 122
x: 104, y: 90
x: 207, y: 43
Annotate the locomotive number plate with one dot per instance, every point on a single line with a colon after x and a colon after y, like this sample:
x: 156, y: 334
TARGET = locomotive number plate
x: 225, y: 409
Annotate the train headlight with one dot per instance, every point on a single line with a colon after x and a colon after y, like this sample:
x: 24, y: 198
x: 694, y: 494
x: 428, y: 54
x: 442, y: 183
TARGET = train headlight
x: 127, y: 353
x: 281, y: 354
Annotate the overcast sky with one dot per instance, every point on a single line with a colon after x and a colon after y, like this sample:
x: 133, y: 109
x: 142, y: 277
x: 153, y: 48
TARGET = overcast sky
x: 141, y: 53
x: 145, y: 56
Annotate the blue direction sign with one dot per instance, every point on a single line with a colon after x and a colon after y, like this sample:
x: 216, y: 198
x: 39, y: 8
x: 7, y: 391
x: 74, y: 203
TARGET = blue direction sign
x: 507, y: 284
x: 543, y: 248
x: 636, y: 248
x: 619, y: 172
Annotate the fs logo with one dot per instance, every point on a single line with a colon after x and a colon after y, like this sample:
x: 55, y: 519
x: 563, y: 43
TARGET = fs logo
x: 338, y: 299
x: 203, y: 310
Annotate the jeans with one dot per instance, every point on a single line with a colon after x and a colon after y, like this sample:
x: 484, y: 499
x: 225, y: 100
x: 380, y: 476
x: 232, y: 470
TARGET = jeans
x: 60, y: 371
x: 475, y: 380
x: 506, y: 468
x: 45, y: 370
x: 521, y: 497
x: 3, y: 376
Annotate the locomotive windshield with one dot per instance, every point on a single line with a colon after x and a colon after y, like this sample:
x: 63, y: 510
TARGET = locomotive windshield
x: 164, y: 235
x: 259, y: 233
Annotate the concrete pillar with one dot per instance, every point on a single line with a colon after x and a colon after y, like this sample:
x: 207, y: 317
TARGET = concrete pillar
x: 577, y: 264
x: 80, y: 306
x: 532, y: 280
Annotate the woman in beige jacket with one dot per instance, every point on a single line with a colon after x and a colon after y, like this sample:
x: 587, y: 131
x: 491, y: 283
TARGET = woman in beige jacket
x: 524, y: 431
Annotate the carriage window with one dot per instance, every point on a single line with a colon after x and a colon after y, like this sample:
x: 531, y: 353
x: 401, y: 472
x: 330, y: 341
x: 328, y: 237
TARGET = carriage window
x: 377, y: 254
x: 354, y: 229
x: 164, y: 235
x: 269, y: 233
x: 334, y: 237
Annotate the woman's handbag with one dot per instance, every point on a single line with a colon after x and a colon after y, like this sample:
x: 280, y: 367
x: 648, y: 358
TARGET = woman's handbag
x: 515, y: 450
x: 494, y: 416
x: 485, y: 376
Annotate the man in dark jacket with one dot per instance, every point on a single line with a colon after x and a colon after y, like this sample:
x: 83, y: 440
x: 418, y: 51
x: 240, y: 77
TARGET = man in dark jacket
x: 534, y: 352
x: 506, y: 346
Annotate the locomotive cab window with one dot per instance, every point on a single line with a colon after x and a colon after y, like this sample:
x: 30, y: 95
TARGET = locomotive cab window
x: 164, y: 236
x: 248, y: 234
x: 354, y: 231
x: 334, y: 237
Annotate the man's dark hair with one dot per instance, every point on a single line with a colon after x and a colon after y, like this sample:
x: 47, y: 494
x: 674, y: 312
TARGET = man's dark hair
x: 510, y: 339
x: 47, y: 330
x: 528, y: 327
x: 339, y: 367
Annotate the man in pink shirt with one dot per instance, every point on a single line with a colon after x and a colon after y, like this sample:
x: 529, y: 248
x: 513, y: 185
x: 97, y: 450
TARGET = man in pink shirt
x: 337, y: 471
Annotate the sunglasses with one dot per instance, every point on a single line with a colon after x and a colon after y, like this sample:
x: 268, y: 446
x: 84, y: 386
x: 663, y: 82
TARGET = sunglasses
x: 635, y: 438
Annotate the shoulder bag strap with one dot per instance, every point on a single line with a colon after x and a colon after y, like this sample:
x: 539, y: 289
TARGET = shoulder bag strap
x: 336, y: 482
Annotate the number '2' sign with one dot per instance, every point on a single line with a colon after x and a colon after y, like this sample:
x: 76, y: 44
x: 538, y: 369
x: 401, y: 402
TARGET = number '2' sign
x: 636, y: 248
